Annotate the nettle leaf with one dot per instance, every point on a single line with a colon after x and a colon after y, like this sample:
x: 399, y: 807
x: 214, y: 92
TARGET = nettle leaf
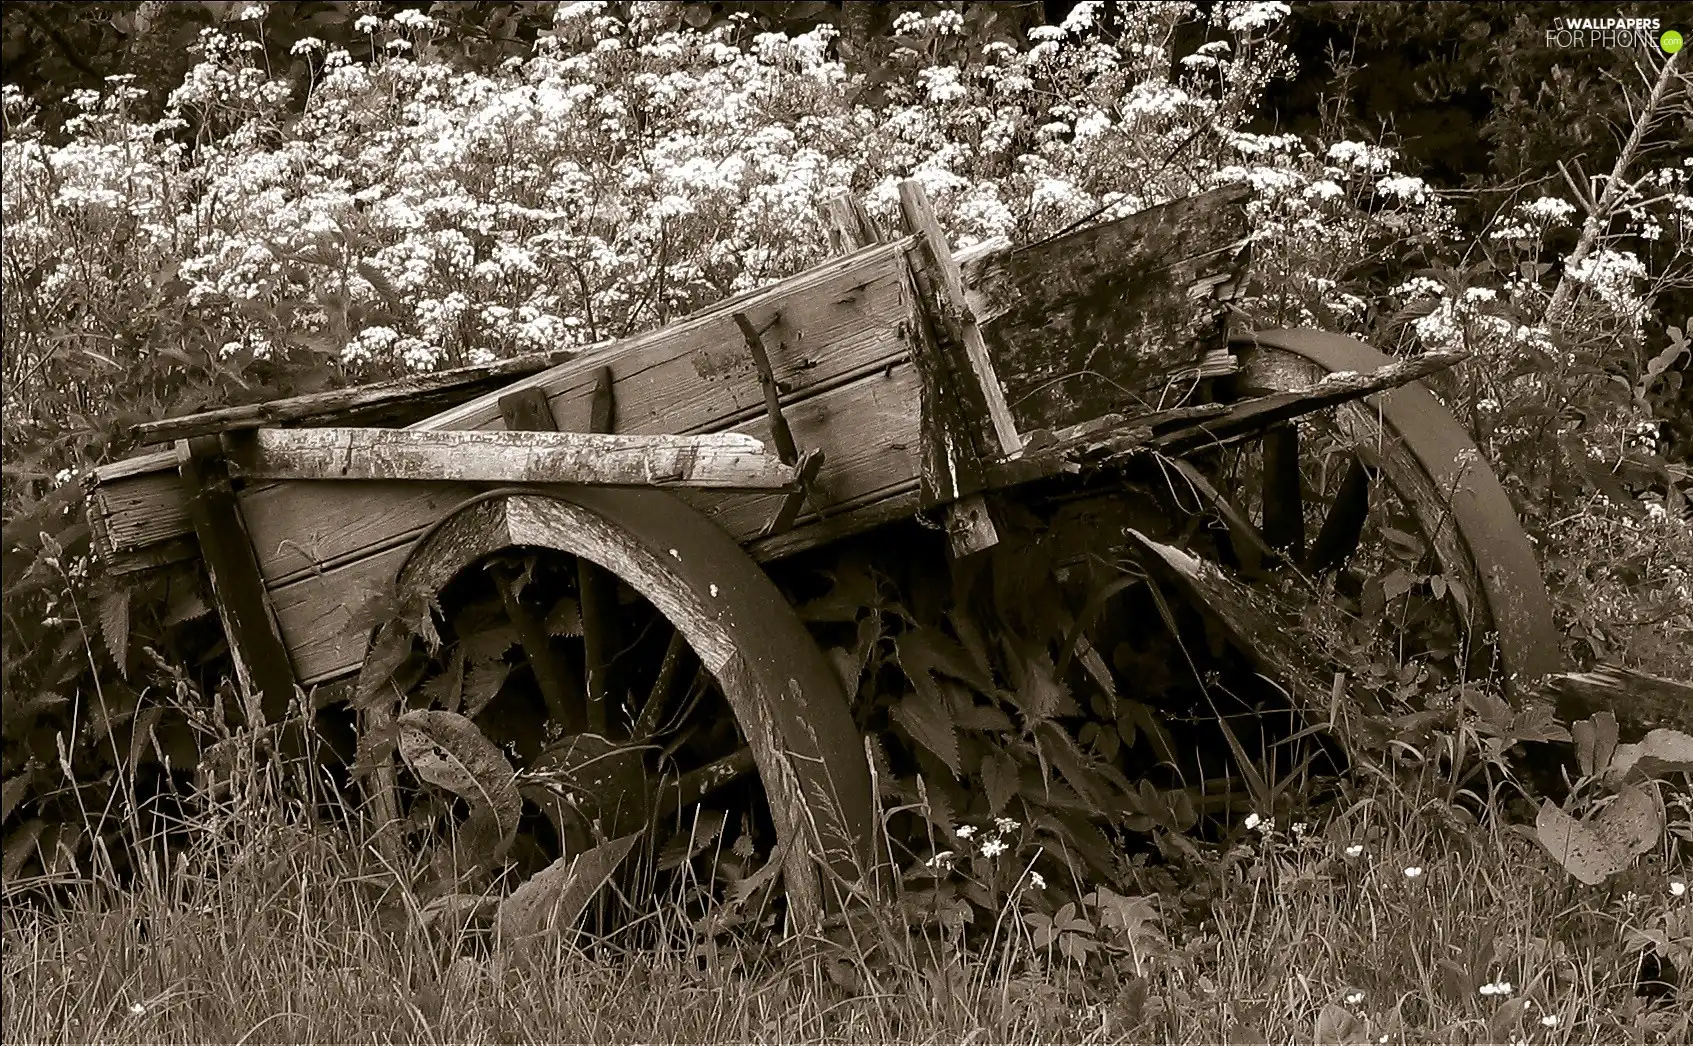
x: 929, y: 651
x: 565, y: 618
x: 555, y: 898
x: 1000, y: 777
x: 114, y: 626
x: 482, y: 684
x: 447, y: 688
x: 924, y: 717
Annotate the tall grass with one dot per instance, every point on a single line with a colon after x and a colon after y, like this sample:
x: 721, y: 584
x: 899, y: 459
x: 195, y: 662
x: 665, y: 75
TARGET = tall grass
x: 1387, y: 917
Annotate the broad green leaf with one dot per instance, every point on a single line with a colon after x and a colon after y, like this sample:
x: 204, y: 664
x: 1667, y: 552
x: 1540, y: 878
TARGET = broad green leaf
x: 554, y: 898
x: 1338, y: 1025
x: 448, y: 751
x: 1632, y: 823
x: 1662, y: 751
x: 1583, y: 852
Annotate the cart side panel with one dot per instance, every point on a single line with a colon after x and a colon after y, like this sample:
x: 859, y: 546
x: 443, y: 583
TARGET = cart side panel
x: 329, y: 546
x: 1113, y: 319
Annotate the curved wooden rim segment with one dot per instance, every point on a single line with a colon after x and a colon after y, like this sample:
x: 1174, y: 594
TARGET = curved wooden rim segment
x: 1515, y: 592
x: 785, y: 696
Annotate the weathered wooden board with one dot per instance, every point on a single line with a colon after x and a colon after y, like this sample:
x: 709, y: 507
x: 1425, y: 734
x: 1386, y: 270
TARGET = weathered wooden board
x: 372, y: 404
x: 720, y: 459
x: 325, y: 551
x: 1111, y: 318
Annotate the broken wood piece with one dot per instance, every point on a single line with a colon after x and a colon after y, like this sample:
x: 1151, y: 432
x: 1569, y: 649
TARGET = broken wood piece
x: 729, y: 460
x: 969, y: 526
x: 779, y: 431
x: 1246, y: 615
x: 1249, y: 418
x: 850, y: 226
x: 418, y: 395
x: 1640, y: 701
x: 810, y: 464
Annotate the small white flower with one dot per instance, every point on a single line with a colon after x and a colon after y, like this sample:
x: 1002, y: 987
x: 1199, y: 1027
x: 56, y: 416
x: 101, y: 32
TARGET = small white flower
x: 1006, y: 824
x: 1252, y: 820
x: 1037, y: 881
x: 941, y: 860
x: 1354, y: 998
x: 1549, y: 1021
x: 1413, y: 872
x: 1677, y: 888
x: 993, y: 848
x: 1496, y: 988
x: 136, y: 1009
x: 965, y: 831
x: 1300, y: 827
x: 1355, y: 850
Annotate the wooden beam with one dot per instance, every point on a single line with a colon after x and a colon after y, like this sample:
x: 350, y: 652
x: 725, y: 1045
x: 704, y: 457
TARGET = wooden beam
x: 262, y: 666
x: 956, y: 317
x: 727, y: 460
x: 339, y: 404
x: 1251, y: 418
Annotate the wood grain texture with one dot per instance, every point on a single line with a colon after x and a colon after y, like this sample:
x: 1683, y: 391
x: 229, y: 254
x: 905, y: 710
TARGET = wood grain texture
x: 731, y: 460
x: 1109, y: 319
x: 362, y: 402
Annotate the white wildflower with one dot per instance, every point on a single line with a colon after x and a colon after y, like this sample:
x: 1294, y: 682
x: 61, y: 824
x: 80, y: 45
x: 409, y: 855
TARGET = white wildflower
x: 1354, y: 998
x: 994, y: 847
x: 1414, y: 872
x: 1677, y: 888
x: 1355, y: 850
x: 1496, y: 988
x: 1037, y: 881
x: 965, y: 831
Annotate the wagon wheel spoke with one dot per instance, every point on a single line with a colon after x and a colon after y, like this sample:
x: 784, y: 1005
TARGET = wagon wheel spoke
x: 1343, y: 527
x: 598, y: 593
x: 658, y: 696
x: 1284, y: 502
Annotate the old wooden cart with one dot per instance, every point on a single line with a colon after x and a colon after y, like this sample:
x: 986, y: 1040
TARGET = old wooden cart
x: 897, y: 381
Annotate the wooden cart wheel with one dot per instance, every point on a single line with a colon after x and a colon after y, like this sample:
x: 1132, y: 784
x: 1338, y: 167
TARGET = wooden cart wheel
x: 1329, y: 492
x: 652, y: 594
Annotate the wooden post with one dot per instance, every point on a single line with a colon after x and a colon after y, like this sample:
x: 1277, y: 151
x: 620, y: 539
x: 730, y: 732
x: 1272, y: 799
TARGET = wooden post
x: 262, y: 668
x: 966, y: 366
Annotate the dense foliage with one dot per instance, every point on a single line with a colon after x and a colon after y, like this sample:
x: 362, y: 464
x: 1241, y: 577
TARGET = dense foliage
x: 336, y: 192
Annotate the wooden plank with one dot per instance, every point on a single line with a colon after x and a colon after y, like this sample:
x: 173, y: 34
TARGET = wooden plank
x: 730, y: 460
x: 1113, y: 318
x: 337, y: 405
x: 263, y: 670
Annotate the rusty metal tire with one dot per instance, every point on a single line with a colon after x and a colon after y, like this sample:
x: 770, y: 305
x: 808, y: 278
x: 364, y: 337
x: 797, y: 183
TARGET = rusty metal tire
x: 787, y: 700
x: 1435, y: 467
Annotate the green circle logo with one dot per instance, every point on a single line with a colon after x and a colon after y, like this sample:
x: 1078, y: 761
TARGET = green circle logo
x: 1670, y: 41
